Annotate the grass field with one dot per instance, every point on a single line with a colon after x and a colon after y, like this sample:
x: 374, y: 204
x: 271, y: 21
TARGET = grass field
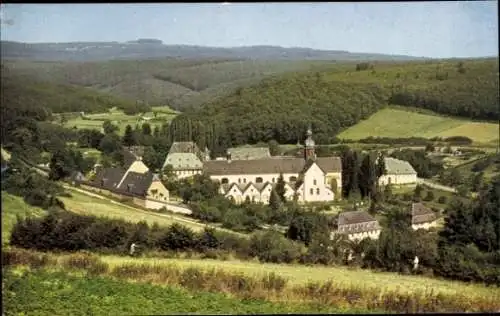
x: 13, y: 206
x: 300, y: 274
x: 397, y: 123
x: 118, y: 117
x: 83, y: 204
x: 59, y: 293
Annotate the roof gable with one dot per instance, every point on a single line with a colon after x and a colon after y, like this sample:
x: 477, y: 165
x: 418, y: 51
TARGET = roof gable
x: 136, y: 183
x: 396, y: 166
x: 355, y: 217
x: 249, y: 153
x: 182, y: 161
x: 421, y: 214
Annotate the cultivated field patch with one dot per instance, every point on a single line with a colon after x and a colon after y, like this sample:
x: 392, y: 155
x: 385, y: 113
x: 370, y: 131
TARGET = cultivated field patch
x: 396, y: 123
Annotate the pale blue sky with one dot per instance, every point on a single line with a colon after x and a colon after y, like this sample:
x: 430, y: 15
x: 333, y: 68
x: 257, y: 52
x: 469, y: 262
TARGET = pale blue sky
x: 431, y: 29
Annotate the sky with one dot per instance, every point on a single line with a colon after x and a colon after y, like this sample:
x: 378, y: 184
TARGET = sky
x: 430, y: 29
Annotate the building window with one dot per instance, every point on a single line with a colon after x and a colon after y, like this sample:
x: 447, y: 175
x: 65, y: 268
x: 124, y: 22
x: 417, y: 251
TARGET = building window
x: 273, y: 180
x: 244, y: 180
x: 258, y: 180
x: 239, y: 180
x: 311, y: 191
x: 317, y: 191
x: 314, y: 181
x: 224, y: 180
x: 292, y: 179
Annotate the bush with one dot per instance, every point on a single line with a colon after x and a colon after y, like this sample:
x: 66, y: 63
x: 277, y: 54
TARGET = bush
x: 273, y: 247
x: 177, y: 237
x: 17, y: 256
x: 429, y: 196
x: 442, y: 199
x: 86, y: 261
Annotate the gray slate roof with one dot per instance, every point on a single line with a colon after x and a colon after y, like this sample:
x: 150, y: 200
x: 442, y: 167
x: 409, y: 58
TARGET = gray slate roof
x: 267, y: 166
x: 136, y: 183
x: 360, y: 221
x: 184, y: 147
x: 421, y: 214
x: 355, y: 217
x: 108, y: 178
x: 396, y: 166
x: 249, y: 153
x: 133, y: 184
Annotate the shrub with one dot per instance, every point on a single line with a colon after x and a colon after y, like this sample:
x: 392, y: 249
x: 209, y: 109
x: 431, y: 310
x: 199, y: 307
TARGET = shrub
x: 442, y: 199
x: 273, y: 282
x: 86, y: 261
x: 271, y: 246
x: 177, y: 237
x: 17, y: 256
x: 429, y: 196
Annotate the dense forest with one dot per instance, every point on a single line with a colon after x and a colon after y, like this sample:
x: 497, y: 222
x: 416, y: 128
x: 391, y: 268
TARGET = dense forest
x: 177, y: 82
x: 19, y: 91
x: 281, y: 107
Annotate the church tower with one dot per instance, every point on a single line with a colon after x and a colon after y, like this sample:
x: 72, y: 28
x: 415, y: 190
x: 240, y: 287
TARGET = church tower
x: 309, y: 146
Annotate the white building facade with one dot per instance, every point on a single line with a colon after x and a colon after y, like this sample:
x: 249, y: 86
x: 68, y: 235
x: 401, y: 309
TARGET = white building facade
x: 307, y: 179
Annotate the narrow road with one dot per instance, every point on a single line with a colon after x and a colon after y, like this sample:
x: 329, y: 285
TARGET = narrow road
x: 170, y: 216
x: 175, y: 217
x: 436, y: 185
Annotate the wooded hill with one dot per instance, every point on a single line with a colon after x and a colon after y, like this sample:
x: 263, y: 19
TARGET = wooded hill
x: 332, y: 100
x: 175, y: 82
x: 21, y: 91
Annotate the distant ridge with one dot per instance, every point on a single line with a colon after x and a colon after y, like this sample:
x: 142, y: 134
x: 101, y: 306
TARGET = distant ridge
x: 152, y: 49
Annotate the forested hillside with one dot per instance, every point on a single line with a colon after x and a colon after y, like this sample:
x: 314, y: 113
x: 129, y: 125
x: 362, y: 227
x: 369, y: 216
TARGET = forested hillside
x: 176, y: 82
x: 282, y: 108
x: 466, y: 88
x: 20, y: 91
x: 331, y: 100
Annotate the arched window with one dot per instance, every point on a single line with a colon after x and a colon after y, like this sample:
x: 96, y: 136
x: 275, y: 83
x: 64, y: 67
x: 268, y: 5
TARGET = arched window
x: 292, y: 179
x: 311, y: 191
x: 239, y: 180
x: 314, y: 181
x: 258, y: 180
x: 224, y: 180
x: 317, y: 191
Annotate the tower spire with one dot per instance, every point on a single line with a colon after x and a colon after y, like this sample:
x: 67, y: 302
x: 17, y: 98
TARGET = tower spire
x: 309, y: 145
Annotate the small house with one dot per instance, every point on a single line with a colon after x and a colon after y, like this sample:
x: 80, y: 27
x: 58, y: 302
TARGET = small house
x: 398, y: 172
x: 357, y: 225
x: 422, y: 217
x: 186, y: 159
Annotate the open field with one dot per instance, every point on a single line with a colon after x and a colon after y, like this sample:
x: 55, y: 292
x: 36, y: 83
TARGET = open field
x: 119, y: 118
x: 397, y: 123
x: 60, y: 293
x: 13, y: 206
x: 87, y: 205
x: 300, y: 274
x: 332, y: 287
